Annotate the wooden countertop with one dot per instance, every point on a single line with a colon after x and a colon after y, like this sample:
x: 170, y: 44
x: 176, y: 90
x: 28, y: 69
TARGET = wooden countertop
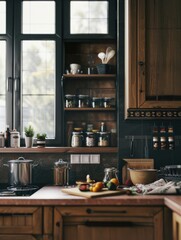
x: 52, y: 195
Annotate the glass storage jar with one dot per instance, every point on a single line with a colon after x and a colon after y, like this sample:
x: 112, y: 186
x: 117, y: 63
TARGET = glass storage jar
x: 110, y: 173
x: 70, y: 101
x: 83, y: 101
x: 103, y: 139
x: 97, y: 102
x: 108, y: 102
x: 90, y: 139
x: 77, y: 139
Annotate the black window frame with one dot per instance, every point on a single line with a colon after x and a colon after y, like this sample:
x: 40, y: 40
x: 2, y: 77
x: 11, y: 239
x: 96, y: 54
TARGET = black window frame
x: 14, y: 38
x: 112, y: 25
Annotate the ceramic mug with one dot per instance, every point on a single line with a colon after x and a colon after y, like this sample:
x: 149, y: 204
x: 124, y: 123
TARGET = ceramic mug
x: 75, y: 68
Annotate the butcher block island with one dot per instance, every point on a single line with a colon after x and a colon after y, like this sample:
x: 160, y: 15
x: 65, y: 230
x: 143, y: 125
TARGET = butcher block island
x: 51, y: 214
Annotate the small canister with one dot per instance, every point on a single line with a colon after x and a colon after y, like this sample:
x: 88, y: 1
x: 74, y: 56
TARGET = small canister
x: 83, y: 101
x: 61, y: 173
x: 90, y: 139
x: 2, y: 140
x: 77, y: 139
x: 97, y: 102
x: 15, y: 139
x: 70, y: 101
x: 108, y: 102
x: 103, y: 139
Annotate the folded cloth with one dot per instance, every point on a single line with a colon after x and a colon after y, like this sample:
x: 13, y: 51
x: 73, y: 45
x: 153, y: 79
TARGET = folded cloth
x: 158, y: 187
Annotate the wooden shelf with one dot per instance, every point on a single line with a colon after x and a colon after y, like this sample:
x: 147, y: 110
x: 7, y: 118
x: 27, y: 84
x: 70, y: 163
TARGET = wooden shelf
x: 90, y: 109
x: 60, y: 150
x: 89, y: 75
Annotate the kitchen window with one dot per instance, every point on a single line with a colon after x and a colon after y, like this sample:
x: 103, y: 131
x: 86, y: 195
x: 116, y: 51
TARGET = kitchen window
x: 32, y: 37
x: 29, y: 78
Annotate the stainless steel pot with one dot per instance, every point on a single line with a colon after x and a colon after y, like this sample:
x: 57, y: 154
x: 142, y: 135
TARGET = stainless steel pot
x: 20, y: 171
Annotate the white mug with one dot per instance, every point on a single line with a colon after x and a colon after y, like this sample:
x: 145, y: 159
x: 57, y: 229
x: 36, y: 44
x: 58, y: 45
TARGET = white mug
x: 75, y: 68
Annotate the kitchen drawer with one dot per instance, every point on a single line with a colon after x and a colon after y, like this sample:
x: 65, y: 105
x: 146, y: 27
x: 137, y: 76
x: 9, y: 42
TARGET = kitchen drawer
x: 109, y: 211
x: 20, y: 220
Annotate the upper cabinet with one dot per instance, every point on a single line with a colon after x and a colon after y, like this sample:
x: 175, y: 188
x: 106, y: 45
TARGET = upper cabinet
x: 152, y: 59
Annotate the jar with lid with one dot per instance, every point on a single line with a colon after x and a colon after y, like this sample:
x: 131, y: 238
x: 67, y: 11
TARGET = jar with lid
x: 61, y: 173
x: 108, y: 102
x: 109, y: 173
x: 70, y: 101
x: 171, y: 143
x: 2, y: 140
x: 155, y: 143
x: 103, y: 139
x: 97, y: 102
x: 83, y: 101
x: 15, y: 139
x: 77, y: 139
x: 90, y: 139
x: 163, y: 143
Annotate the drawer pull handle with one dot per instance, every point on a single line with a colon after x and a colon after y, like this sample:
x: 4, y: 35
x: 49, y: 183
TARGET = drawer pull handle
x: 91, y: 211
x: 109, y: 224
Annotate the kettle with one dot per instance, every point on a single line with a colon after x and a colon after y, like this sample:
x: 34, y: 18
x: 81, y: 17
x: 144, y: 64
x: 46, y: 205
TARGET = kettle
x: 61, y: 173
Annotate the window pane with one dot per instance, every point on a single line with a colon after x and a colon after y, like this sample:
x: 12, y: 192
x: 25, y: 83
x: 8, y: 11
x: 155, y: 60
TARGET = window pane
x: 89, y: 17
x: 38, y: 17
x: 2, y: 84
x: 38, y: 86
x: 2, y: 17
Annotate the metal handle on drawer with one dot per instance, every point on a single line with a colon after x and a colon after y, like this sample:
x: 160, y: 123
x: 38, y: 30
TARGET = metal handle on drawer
x: 108, y: 224
x: 91, y: 211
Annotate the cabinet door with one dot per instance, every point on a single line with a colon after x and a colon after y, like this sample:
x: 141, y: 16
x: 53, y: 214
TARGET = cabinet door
x: 118, y: 223
x: 153, y: 66
x: 176, y: 227
x: 20, y: 220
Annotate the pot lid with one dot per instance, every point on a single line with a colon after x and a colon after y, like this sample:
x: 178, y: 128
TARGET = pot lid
x: 60, y: 163
x: 20, y: 160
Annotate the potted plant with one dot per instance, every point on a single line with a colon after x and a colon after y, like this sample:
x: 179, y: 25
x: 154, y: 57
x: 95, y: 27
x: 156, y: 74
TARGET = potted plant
x: 41, y: 139
x: 29, y: 133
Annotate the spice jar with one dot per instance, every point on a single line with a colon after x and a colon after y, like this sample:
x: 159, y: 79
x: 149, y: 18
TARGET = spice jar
x: 90, y: 139
x: 97, y: 102
x: 163, y: 143
x: 108, y: 102
x: 83, y: 101
x: 103, y: 139
x: 155, y: 143
x: 77, y: 139
x: 171, y: 143
x: 70, y: 101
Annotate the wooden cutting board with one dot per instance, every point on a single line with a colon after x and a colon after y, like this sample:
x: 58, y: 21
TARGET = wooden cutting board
x: 76, y: 192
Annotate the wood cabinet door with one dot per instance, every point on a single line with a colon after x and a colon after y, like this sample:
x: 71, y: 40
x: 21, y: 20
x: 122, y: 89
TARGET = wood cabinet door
x: 20, y: 220
x: 153, y: 55
x: 159, y: 53
x: 118, y: 223
x: 176, y: 227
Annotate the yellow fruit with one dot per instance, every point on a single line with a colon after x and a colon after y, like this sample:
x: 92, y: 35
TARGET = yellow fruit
x: 99, y: 185
x: 115, y: 181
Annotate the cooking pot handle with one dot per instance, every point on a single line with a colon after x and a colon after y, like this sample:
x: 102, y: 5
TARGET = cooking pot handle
x: 21, y: 158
